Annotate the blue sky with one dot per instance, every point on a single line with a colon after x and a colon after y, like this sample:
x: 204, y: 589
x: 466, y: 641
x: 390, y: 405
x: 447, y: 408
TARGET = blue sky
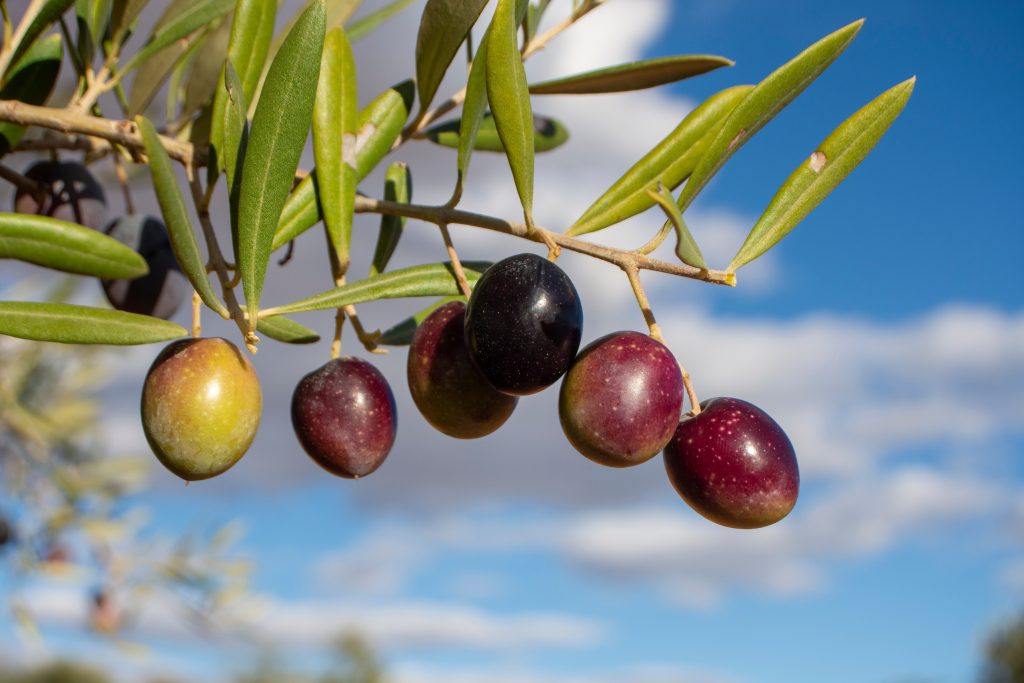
x: 886, y: 334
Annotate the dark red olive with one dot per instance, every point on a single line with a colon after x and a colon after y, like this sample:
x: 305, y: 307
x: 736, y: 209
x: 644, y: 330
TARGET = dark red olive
x: 70, y: 193
x: 620, y: 401
x: 523, y: 324
x: 733, y: 464
x: 344, y: 416
x: 445, y: 385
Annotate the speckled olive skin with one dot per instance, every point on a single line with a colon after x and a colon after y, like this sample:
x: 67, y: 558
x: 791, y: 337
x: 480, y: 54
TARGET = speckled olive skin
x: 523, y: 324
x: 201, y: 406
x: 620, y: 402
x: 75, y: 195
x: 733, y: 464
x: 344, y: 416
x: 160, y: 292
x: 449, y: 391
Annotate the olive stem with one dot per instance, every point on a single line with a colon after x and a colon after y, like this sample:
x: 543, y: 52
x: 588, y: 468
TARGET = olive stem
x: 122, y: 179
x: 197, y: 309
x: 453, y: 256
x: 645, y: 305
x: 656, y: 241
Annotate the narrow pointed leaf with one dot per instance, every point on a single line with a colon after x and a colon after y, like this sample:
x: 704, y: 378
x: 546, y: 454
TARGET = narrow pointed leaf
x: 668, y: 163
x: 93, y: 17
x: 686, y: 247
x: 67, y: 247
x: 473, y: 107
x: 153, y: 73
x: 444, y: 26
x: 194, y: 16
x: 436, y: 279
x: 380, y: 124
x: 401, y: 333
x: 548, y: 134
x: 766, y: 100
x: 179, y: 226
x: 31, y: 80
x: 282, y: 329
x: 123, y: 15
x: 235, y: 127
x: 397, y: 188
x: 510, y: 100
x: 364, y: 26
x: 71, y: 324
x: 50, y: 12
x: 279, y: 130
x: 205, y: 70
x: 335, y: 117
x: 648, y: 73
x: 828, y: 166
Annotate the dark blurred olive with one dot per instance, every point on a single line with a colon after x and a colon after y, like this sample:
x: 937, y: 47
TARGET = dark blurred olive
x: 161, y: 292
x: 73, y: 195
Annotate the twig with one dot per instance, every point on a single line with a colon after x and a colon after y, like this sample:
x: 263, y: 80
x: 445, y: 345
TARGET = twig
x: 453, y: 256
x: 21, y: 182
x: 645, y: 305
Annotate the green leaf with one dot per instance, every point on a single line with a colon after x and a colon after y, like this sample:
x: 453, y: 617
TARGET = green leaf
x: 686, y: 247
x: 71, y: 324
x: 549, y: 134
x: 192, y: 17
x: 648, y: 73
x: 668, y: 163
x: 31, y: 80
x: 443, y: 28
x: 67, y: 247
x: 93, y: 17
x: 179, y: 227
x: 473, y: 109
x: 279, y: 130
x: 235, y: 127
x: 534, y: 14
x: 397, y: 188
x: 765, y: 101
x: 380, y: 124
x: 49, y: 12
x: 828, y: 166
x: 510, y: 101
x: 286, y: 330
x: 153, y: 72
x: 123, y: 15
x: 364, y: 26
x: 335, y: 117
x: 400, y: 334
x: 436, y: 279
x: 205, y: 72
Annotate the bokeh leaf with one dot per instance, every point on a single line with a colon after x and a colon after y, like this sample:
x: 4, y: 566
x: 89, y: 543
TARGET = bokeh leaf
x: 31, y: 80
x: 397, y: 188
x: 668, y: 163
x: 444, y: 26
x: 67, y: 247
x: 179, y: 226
x: 765, y: 101
x: 335, y: 117
x: 93, y: 18
x: 205, y: 71
x: 436, y: 279
x: 510, y: 100
x: 828, y: 166
x: 648, y: 73
x: 686, y: 247
x: 123, y: 15
x: 189, y: 18
x: 548, y: 134
x: 72, y: 324
x: 380, y: 124
x: 401, y: 333
x: 364, y: 26
x: 49, y: 12
x: 279, y: 130
x: 282, y: 329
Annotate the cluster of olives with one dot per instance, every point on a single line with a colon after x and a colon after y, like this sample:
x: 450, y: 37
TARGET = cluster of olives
x: 468, y: 364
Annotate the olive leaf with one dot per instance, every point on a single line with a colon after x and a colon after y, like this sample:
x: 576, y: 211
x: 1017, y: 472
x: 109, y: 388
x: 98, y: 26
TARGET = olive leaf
x: 669, y: 162
x: 67, y: 247
x: 335, y: 117
x: 205, y: 71
x: 179, y: 226
x: 236, y: 132
x: 92, y: 17
x: 473, y: 108
x: 72, y: 324
x: 766, y: 100
x: 686, y: 247
x: 30, y: 29
x: 436, y: 279
x: 31, y: 81
x: 282, y: 329
x: 534, y: 14
x: 549, y: 134
x: 380, y: 124
x: 444, y: 26
x: 123, y: 14
x: 279, y: 130
x: 639, y: 75
x: 364, y: 26
x: 401, y: 333
x: 510, y: 100
x: 191, y: 17
x: 397, y: 188
x: 828, y: 166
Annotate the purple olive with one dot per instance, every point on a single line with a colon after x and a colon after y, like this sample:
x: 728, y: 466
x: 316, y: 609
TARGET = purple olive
x: 158, y: 293
x: 620, y: 402
x: 445, y: 385
x: 344, y: 416
x: 733, y: 464
x: 71, y: 193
